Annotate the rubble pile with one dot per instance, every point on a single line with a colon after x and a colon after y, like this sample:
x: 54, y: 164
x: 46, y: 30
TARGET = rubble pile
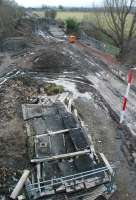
x: 13, y: 150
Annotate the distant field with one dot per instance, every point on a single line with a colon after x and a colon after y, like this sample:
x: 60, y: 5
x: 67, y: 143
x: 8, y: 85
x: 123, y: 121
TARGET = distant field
x: 63, y: 15
x: 80, y: 16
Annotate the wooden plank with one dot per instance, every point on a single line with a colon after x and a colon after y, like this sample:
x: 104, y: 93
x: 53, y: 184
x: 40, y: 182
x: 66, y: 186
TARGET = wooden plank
x: 31, y: 111
x: 107, y: 163
x: 62, y: 156
x: 78, y: 139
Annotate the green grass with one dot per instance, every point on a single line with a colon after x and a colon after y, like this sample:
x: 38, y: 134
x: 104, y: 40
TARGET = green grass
x: 89, y: 17
x: 53, y: 89
x: 82, y: 16
x: 79, y: 16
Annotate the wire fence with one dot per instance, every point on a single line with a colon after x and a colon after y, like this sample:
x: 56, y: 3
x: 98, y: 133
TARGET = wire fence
x: 108, y: 48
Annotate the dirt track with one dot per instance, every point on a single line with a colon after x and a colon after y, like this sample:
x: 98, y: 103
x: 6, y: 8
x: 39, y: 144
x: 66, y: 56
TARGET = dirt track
x: 94, y: 87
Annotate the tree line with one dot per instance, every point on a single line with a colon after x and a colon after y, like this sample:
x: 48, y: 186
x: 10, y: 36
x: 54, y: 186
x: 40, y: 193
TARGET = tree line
x: 10, y: 14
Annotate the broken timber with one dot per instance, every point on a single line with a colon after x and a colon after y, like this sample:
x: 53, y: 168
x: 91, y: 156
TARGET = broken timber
x: 63, y: 156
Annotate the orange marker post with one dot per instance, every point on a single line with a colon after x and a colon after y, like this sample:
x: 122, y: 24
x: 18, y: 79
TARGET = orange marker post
x: 72, y: 39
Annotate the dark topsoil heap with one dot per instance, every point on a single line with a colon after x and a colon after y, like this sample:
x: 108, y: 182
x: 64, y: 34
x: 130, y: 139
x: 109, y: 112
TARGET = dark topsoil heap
x: 51, y: 59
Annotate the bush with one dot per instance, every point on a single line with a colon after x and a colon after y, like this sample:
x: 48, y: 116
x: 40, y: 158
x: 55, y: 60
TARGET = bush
x: 72, y: 25
x: 52, y: 89
x: 10, y: 13
x: 25, y: 81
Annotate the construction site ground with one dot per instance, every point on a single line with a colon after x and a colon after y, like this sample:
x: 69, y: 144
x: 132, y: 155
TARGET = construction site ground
x: 97, y: 90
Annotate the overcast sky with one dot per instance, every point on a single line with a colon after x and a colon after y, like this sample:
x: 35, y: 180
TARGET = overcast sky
x: 38, y: 3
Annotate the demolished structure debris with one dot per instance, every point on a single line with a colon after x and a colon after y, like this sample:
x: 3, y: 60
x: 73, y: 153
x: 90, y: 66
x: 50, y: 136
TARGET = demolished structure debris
x: 63, y: 157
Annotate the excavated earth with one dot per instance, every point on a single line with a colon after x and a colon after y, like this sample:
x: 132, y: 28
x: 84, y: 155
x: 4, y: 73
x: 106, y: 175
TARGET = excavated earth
x: 97, y: 95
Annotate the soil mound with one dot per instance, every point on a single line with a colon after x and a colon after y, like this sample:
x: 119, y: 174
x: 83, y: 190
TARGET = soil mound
x: 51, y: 59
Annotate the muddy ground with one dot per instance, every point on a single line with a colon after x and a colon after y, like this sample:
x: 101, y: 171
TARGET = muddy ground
x: 13, y: 149
x: 96, y: 92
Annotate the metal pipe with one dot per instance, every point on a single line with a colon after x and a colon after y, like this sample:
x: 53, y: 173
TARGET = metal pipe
x: 20, y: 184
x: 102, y: 169
x: 63, y: 178
x: 62, y: 156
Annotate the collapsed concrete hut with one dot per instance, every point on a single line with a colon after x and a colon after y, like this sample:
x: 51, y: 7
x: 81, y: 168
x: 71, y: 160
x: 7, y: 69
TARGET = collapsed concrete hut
x: 63, y: 159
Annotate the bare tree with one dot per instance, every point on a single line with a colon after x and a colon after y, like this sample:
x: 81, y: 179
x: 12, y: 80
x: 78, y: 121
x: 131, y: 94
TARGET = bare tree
x: 119, y: 17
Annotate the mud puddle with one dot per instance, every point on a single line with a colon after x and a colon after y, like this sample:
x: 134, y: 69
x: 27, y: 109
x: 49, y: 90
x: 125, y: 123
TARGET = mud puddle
x: 69, y: 81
